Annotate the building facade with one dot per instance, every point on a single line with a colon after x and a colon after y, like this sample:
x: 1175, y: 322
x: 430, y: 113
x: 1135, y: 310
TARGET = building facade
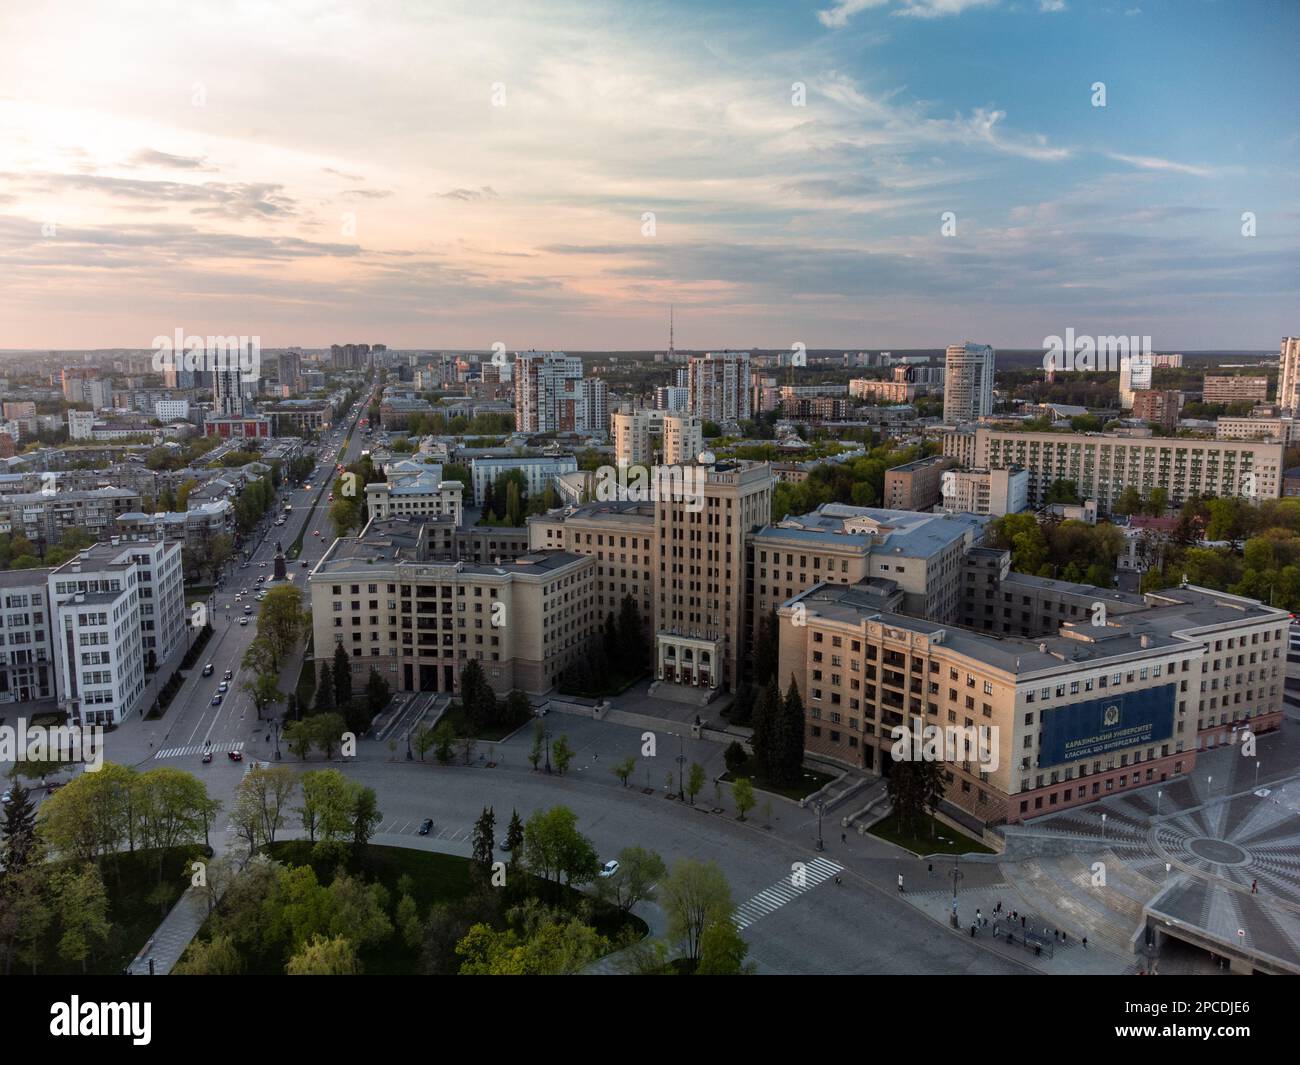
x: 968, y: 382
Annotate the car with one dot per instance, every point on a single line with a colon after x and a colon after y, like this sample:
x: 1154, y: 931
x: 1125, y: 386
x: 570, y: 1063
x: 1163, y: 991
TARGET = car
x: 207, y: 757
x: 261, y: 580
x: 261, y: 565
x: 223, y: 687
x: 426, y: 825
x: 235, y: 756
x: 248, y: 609
x: 322, y: 539
x: 315, y: 532
x: 303, y: 563
x: 207, y: 670
x: 331, y: 499
x: 243, y: 621
x: 216, y: 699
x: 228, y: 675
x: 609, y: 869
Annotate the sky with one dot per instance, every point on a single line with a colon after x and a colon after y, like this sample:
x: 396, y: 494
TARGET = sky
x: 843, y: 173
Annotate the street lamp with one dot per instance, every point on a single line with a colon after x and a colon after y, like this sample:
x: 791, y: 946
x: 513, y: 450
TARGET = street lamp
x: 1103, y: 826
x: 1158, y: 794
x: 821, y: 846
x: 681, y: 767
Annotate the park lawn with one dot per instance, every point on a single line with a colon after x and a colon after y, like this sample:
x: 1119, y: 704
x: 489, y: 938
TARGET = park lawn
x: 456, y: 717
x: 929, y: 841
x: 810, y: 781
x: 129, y: 881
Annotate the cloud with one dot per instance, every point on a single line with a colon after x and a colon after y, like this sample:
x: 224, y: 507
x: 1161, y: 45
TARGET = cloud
x: 1149, y: 162
x: 368, y: 194
x: 837, y: 16
x: 483, y: 192
x: 150, y: 157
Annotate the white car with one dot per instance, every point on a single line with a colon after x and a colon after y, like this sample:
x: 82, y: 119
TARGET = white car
x: 609, y: 869
x: 243, y: 621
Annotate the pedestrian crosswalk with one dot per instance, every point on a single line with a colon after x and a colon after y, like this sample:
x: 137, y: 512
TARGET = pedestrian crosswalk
x: 804, y: 876
x: 199, y: 748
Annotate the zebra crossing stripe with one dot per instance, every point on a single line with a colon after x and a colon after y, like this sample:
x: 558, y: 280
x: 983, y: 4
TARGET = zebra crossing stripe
x: 198, y: 748
x: 784, y: 890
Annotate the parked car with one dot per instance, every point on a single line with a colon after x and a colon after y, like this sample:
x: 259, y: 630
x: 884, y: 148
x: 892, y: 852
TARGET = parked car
x: 609, y: 869
x: 207, y: 670
x: 426, y: 825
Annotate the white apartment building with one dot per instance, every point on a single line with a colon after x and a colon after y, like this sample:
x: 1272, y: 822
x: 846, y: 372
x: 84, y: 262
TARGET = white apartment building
x: 170, y: 410
x: 992, y: 492
x: 1135, y: 375
x: 968, y: 382
x: 538, y: 470
x: 111, y: 607
x: 719, y: 383
x: 1288, y: 386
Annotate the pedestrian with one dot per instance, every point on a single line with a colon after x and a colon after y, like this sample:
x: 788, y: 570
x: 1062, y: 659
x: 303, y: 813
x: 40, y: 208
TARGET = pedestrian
x: 1056, y: 935
x: 979, y: 917
x: 1254, y: 887
x: 1085, y: 942
x: 972, y: 931
x: 995, y: 930
x: 844, y: 838
x: 931, y: 868
x: 900, y: 883
x: 1022, y: 920
x: 1064, y: 939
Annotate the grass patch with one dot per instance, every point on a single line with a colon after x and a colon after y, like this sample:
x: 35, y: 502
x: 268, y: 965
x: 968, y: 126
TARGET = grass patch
x: 617, y: 684
x: 928, y: 841
x: 459, y: 720
x: 810, y: 781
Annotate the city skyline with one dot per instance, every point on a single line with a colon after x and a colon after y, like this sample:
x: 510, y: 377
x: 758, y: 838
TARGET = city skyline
x: 312, y: 171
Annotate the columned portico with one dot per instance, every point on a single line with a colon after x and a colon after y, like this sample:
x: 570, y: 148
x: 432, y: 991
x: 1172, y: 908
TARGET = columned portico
x: 690, y: 660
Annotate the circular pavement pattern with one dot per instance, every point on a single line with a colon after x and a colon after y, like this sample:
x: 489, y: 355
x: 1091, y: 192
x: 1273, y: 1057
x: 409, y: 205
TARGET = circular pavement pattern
x: 1219, y: 851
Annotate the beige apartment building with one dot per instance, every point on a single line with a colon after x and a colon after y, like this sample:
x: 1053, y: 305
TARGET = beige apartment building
x: 882, y: 391
x: 418, y: 621
x: 1059, y: 720
x: 916, y: 485
x: 1285, y: 429
x: 1103, y: 465
x: 649, y: 437
x: 1231, y: 389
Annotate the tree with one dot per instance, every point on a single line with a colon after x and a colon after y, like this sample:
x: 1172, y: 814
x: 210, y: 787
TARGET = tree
x: 1062, y: 491
x: 765, y: 648
x: 444, y: 740
x: 215, y: 957
x: 299, y: 736
x: 694, y: 781
x: 514, y: 837
x: 20, y: 842
x: 624, y: 769
x: 631, y: 636
x: 269, y: 792
x: 81, y: 903
x: 722, y: 951
x: 1129, y: 502
x: 366, y: 817
x: 422, y: 739
x: 639, y: 871
x: 325, y: 810
x: 325, y: 957
x: 767, y: 714
x: 735, y: 757
x: 484, y: 838
x: 562, y: 754
x: 378, y: 692
x: 785, y: 758
x: 342, y: 675
x: 693, y: 896
x: 262, y: 690
x: 742, y: 793
x: 915, y: 787
x: 554, y: 847
x: 282, y: 621
x: 171, y: 807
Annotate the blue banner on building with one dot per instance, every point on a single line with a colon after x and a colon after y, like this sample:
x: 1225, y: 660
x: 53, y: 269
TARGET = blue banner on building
x: 1111, y: 723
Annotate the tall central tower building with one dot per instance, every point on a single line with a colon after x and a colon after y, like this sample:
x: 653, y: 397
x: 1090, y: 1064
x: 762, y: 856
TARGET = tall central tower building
x: 968, y: 382
x: 1288, y: 387
x: 719, y: 386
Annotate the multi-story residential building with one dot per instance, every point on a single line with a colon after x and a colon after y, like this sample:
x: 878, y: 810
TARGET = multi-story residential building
x: 538, y: 470
x: 26, y: 665
x: 85, y: 385
x: 114, y: 608
x: 174, y: 377
x: 195, y: 528
x: 918, y: 556
x: 968, y: 382
x: 1288, y: 386
x: 672, y: 398
x: 230, y: 392
x: 1233, y: 389
x: 991, y: 492
x: 1166, y: 362
x: 551, y: 395
x: 1059, y: 720
x: 171, y: 410
x: 1103, y: 465
x: 916, y: 485
x: 648, y: 437
x: 45, y: 516
x: 81, y: 424
x: 419, y: 621
x: 882, y: 391
x: 1135, y: 375
x: 1160, y: 406
x: 289, y: 371
x: 719, y: 383
x: 1284, y: 428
